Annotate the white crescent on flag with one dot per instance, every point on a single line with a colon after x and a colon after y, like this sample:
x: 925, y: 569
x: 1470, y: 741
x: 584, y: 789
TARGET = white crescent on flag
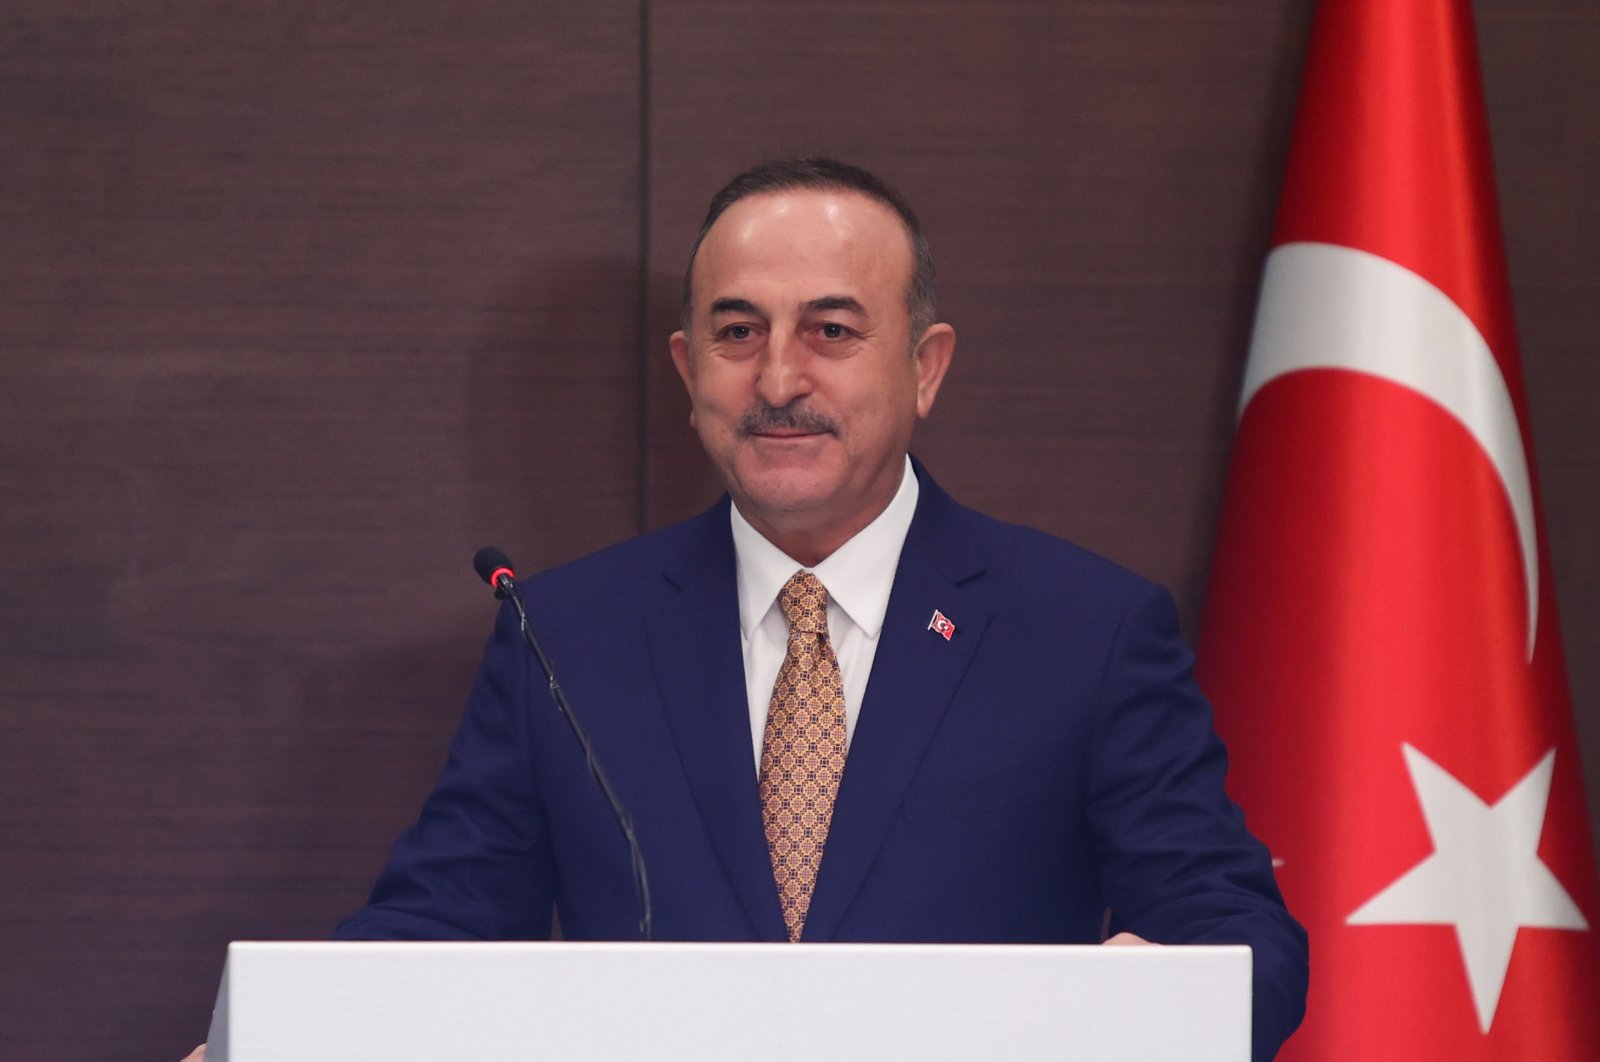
x: 1324, y: 306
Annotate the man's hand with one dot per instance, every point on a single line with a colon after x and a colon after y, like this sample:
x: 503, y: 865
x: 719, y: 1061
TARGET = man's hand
x: 1121, y: 940
x: 199, y: 1053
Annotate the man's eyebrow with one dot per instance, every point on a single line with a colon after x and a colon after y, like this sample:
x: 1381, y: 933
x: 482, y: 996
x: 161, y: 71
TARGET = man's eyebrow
x: 834, y: 302
x: 729, y: 305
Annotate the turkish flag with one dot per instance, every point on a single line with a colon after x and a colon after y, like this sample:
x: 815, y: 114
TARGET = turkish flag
x: 1381, y: 639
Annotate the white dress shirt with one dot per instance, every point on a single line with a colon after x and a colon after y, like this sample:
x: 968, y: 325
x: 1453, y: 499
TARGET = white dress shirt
x: 858, y: 576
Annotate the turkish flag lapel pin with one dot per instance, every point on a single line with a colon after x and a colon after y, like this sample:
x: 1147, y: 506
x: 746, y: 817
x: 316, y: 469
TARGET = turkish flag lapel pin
x: 940, y: 624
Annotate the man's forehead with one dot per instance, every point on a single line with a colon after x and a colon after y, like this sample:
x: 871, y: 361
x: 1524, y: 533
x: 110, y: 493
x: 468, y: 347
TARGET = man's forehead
x: 840, y: 240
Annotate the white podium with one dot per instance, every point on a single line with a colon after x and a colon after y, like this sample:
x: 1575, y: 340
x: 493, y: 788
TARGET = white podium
x: 309, y: 1002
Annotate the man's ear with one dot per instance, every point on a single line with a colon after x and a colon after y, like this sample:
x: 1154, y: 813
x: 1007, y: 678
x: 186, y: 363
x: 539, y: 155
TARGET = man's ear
x: 679, y: 344
x: 932, y: 357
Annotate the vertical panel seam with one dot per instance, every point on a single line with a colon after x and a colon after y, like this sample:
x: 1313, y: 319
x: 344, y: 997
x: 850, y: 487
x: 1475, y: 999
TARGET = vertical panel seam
x: 642, y: 319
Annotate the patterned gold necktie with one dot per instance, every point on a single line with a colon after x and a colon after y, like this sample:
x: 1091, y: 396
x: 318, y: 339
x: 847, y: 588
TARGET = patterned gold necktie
x: 802, y: 751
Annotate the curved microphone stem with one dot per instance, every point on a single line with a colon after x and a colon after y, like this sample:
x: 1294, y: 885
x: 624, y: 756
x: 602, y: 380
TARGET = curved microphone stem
x: 641, y: 880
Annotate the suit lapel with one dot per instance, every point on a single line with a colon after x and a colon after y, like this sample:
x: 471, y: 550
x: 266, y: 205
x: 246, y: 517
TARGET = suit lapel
x: 694, y: 646
x: 914, y: 674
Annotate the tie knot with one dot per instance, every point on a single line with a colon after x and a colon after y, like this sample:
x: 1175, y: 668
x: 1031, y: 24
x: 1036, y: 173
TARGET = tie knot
x: 804, y: 601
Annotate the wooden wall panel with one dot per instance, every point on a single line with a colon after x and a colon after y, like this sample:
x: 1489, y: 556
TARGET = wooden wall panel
x: 1098, y: 181
x: 304, y: 303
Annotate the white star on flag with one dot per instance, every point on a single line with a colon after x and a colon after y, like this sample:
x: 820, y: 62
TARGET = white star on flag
x: 1484, y: 877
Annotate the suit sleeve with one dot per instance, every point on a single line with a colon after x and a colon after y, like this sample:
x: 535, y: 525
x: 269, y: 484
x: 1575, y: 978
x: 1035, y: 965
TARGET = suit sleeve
x: 1177, y: 865
x: 476, y: 865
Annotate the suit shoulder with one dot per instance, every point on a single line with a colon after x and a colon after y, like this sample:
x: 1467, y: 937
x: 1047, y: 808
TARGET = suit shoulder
x: 1047, y: 566
x: 623, y: 570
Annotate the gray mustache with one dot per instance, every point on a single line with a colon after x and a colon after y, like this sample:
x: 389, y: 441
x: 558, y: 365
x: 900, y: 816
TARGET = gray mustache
x: 792, y: 417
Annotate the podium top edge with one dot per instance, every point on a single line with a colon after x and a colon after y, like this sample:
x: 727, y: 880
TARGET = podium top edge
x: 1130, y: 953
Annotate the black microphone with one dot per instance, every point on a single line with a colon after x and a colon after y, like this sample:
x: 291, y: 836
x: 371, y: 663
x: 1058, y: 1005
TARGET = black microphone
x: 494, y: 568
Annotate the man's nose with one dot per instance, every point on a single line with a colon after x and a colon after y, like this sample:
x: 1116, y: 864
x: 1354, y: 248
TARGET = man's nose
x: 784, y: 370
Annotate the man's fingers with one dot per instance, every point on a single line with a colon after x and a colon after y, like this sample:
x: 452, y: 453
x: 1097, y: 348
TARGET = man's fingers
x: 197, y: 1055
x: 1119, y: 941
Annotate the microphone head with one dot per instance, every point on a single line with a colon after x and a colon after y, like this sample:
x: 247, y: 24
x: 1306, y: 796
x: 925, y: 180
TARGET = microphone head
x: 491, y: 563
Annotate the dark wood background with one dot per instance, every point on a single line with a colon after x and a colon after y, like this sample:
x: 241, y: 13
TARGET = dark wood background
x: 303, y: 303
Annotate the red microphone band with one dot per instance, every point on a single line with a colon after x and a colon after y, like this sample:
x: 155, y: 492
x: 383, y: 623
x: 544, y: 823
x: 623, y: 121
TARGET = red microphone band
x: 494, y: 576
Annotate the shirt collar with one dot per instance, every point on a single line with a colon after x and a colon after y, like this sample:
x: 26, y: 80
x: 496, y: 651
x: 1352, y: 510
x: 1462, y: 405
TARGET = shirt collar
x: 858, y: 575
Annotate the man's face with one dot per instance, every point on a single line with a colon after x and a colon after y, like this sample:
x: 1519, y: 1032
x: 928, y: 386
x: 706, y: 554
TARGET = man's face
x: 799, y: 360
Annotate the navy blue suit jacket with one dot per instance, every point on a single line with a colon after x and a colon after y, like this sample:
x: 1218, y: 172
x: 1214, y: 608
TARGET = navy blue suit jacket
x: 1051, y: 760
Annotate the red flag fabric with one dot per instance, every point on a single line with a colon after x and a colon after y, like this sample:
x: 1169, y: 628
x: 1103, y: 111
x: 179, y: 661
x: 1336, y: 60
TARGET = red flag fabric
x: 1380, y: 638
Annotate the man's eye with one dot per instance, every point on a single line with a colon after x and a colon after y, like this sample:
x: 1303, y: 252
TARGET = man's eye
x: 831, y: 330
x: 737, y: 332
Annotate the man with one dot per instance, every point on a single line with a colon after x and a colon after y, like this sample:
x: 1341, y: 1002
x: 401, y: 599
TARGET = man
x: 839, y: 705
